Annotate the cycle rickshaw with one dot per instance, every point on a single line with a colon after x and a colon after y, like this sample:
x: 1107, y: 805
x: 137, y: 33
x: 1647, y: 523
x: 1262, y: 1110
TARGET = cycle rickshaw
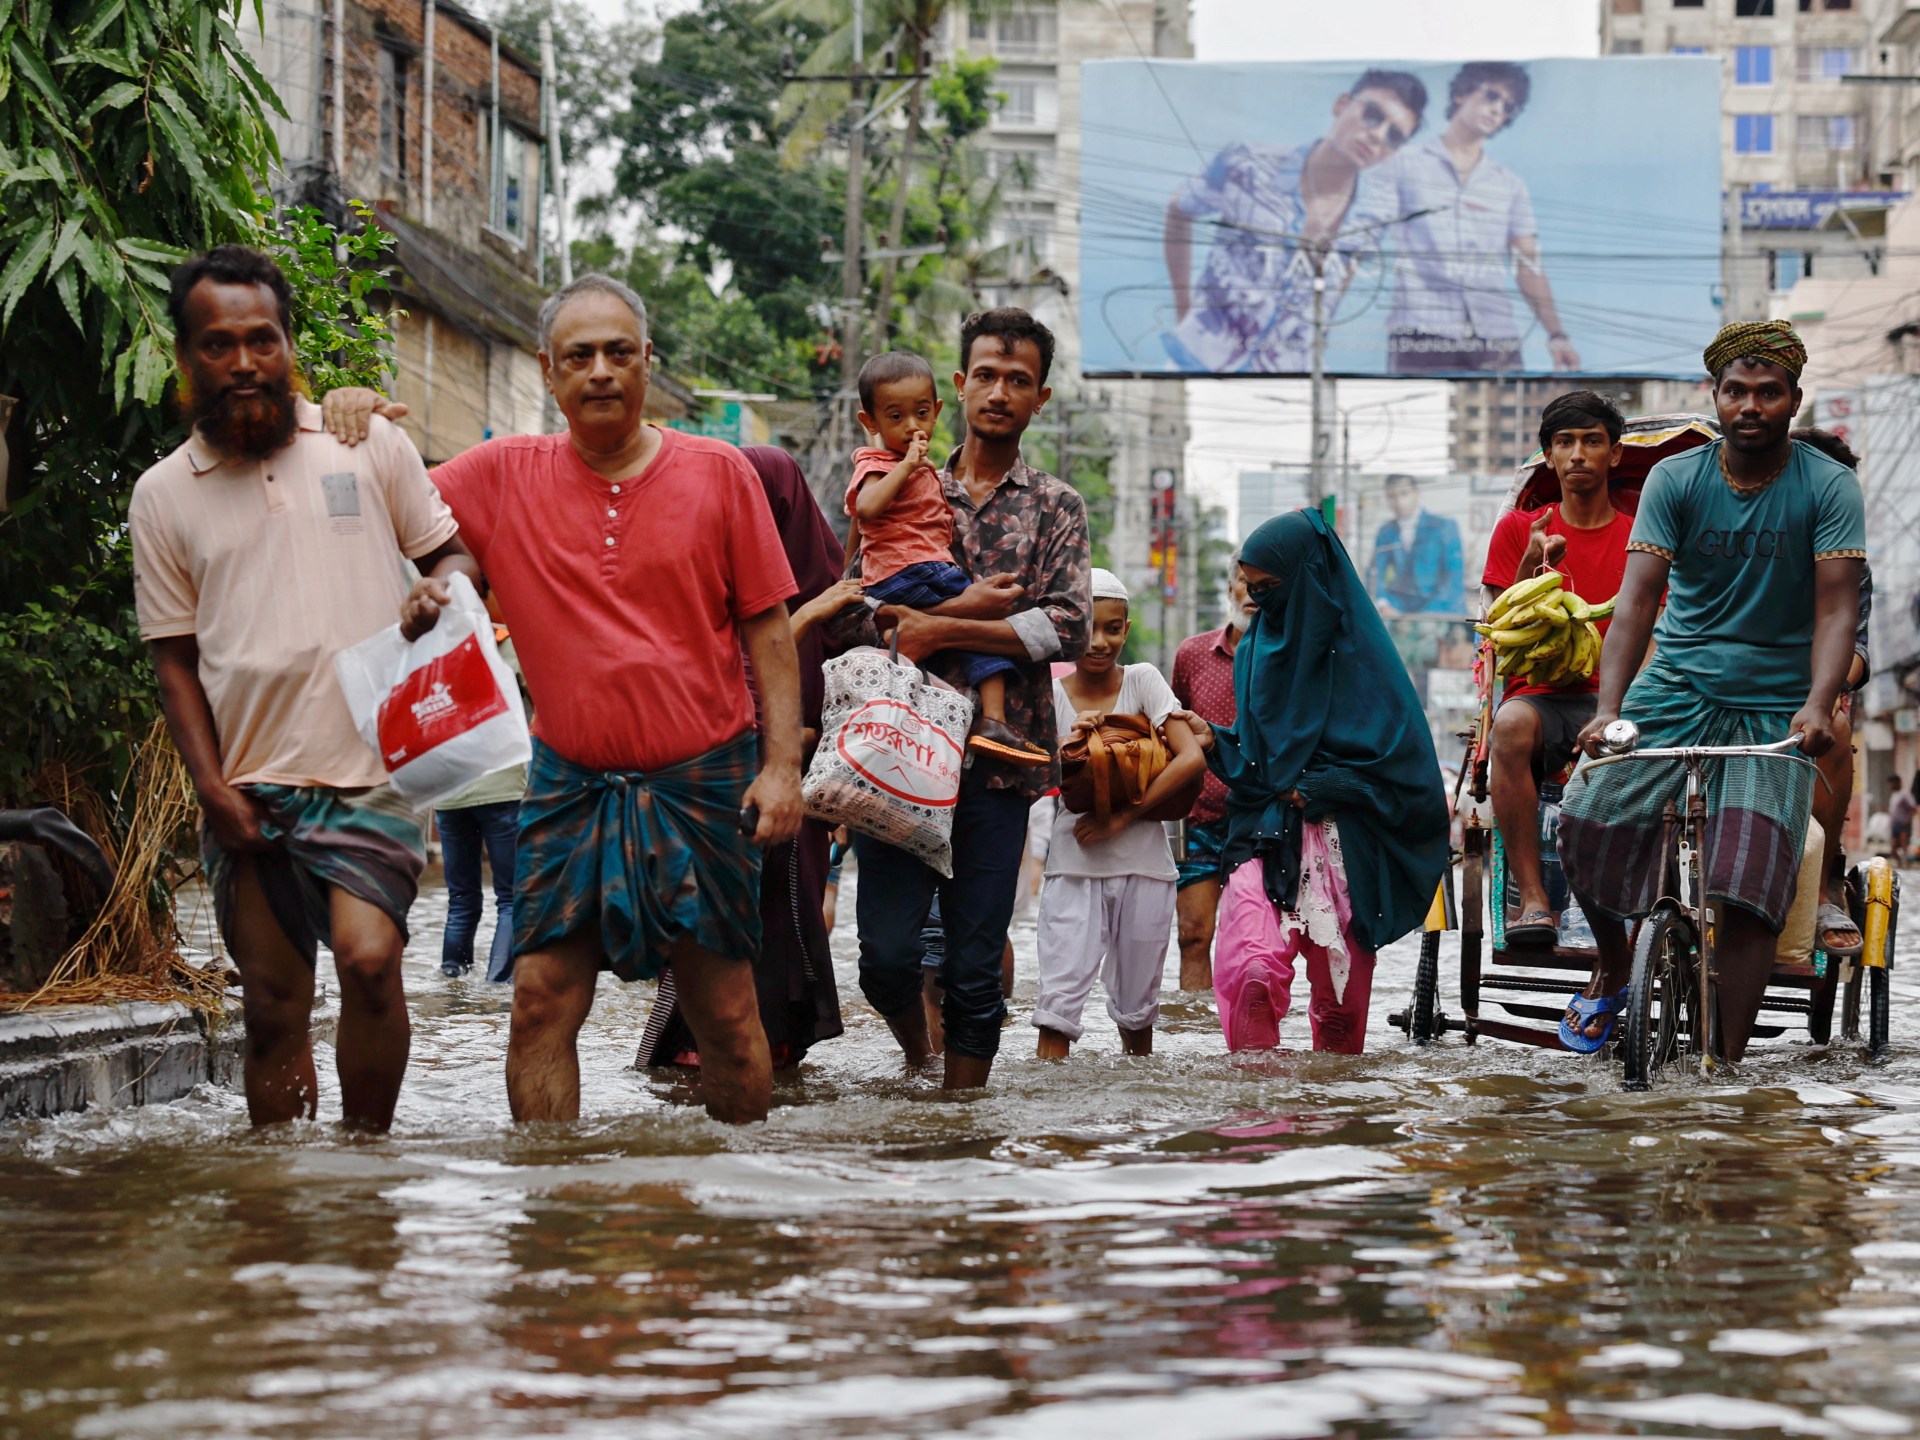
x: 1668, y: 1014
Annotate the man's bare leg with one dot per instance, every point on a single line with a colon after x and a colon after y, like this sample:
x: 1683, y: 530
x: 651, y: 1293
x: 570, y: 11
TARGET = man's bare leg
x: 552, y: 992
x: 1517, y: 742
x: 1052, y: 1045
x: 1136, y: 1042
x: 375, y: 1032
x: 1198, y: 907
x: 723, y: 1011
x: 934, y: 1035
x: 277, y: 996
x: 1743, y: 958
x: 966, y: 1072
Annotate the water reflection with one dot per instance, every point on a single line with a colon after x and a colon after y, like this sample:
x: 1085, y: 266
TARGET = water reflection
x: 1460, y: 1241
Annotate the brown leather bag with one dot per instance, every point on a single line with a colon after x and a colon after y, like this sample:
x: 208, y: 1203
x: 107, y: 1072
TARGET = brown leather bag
x: 1108, y: 770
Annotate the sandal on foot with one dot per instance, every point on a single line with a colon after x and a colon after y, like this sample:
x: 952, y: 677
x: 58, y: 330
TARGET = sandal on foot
x: 1001, y: 742
x: 1534, y: 928
x: 1830, y: 919
x: 1589, y: 1008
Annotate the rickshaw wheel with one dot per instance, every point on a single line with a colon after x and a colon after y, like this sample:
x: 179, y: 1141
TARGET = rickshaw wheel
x: 1877, y: 998
x: 1424, y: 1015
x: 1850, y: 1005
x: 1660, y: 997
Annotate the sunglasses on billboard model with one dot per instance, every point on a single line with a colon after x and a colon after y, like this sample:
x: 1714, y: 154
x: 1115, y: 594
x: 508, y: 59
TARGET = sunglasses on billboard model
x: 1375, y: 118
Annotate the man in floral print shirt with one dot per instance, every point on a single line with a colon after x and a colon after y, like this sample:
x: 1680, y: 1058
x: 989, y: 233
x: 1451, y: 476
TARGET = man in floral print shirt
x: 1024, y: 535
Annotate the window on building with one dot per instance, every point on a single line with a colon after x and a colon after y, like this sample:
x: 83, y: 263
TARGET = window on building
x: 510, y: 192
x: 1753, y: 134
x: 1030, y: 30
x: 1025, y: 237
x: 1022, y: 105
x: 1752, y: 9
x: 1753, y: 65
x: 390, y: 73
x: 1689, y: 49
x: 1688, y: 4
x: 1626, y: 47
x: 1825, y: 62
x: 1836, y: 5
x: 1824, y: 132
x: 979, y: 24
x: 1022, y: 169
x: 1789, y: 266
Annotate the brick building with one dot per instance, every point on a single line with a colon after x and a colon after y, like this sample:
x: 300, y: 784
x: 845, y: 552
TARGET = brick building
x: 465, y: 207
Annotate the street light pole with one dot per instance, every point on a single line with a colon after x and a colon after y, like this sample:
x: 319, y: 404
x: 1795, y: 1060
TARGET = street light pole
x: 852, y: 275
x: 1322, y: 452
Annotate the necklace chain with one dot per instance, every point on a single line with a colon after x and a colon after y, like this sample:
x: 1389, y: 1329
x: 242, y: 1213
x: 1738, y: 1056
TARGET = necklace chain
x: 1740, y: 489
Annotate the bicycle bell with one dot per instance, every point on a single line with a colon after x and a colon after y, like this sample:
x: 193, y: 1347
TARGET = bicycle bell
x: 1619, y: 737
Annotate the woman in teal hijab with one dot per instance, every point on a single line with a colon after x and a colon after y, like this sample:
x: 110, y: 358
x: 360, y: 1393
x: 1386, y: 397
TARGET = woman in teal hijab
x: 1338, y: 825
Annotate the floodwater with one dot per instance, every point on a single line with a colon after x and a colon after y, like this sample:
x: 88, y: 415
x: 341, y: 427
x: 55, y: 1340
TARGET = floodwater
x: 1455, y: 1241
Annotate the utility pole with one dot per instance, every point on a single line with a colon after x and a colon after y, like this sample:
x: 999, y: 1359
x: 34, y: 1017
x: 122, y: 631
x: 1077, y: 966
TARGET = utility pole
x: 428, y: 60
x: 549, y: 91
x: 853, y: 273
x: 1321, y: 456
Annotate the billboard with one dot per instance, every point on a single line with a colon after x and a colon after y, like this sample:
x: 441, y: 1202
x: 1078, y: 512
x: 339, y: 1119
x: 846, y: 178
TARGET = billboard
x: 1485, y: 218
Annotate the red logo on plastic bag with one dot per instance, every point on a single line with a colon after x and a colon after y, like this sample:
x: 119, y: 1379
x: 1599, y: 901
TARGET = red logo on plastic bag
x: 890, y: 743
x: 442, y: 700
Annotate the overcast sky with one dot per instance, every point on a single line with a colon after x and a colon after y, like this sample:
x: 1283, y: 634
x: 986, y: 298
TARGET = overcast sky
x: 1249, y: 424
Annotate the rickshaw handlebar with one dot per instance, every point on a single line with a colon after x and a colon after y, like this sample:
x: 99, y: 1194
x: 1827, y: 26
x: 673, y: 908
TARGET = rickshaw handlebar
x: 1780, y: 749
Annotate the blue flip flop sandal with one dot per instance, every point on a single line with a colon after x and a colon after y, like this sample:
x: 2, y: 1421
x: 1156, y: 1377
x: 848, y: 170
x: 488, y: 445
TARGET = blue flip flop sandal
x: 1588, y: 1007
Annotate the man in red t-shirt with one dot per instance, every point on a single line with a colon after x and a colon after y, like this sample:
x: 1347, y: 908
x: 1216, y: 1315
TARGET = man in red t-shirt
x: 632, y: 565
x: 1536, y: 726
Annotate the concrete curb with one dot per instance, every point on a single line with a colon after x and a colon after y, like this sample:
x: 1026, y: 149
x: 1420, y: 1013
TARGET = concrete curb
x: 69, y: 1057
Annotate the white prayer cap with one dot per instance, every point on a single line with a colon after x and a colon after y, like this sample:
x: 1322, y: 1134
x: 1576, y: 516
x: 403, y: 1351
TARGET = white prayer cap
x: 1107, y: 586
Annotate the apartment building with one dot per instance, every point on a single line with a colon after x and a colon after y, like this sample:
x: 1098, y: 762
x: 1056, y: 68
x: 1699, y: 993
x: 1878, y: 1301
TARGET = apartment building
x: 1799, y: 138
x: 1035, y: 142
x: 422, y: 109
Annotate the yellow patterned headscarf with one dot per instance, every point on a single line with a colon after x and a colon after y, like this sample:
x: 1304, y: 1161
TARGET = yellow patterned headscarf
x: 1774, y: 341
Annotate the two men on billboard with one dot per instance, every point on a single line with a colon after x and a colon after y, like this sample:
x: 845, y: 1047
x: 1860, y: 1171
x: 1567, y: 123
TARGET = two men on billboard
x: 1469, y: 217
x: 1458, y: 223
x: 1280, y: 214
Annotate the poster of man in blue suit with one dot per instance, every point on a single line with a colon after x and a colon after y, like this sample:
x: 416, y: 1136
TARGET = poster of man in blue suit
x: 1417, y: 567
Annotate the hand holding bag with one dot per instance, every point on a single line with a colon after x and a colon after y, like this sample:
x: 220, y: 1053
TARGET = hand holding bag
x: 441, y: 711
x: 892, y: 747
x: 1109, y: 769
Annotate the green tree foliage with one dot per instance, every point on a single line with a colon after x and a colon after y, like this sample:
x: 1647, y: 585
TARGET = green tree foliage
x: 701, y: 155
x: 132, y: 132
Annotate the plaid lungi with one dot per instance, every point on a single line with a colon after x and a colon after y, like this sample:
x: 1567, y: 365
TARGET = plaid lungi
x: 369, y: 843
x: 1757, y: 807
x: 642, y: 857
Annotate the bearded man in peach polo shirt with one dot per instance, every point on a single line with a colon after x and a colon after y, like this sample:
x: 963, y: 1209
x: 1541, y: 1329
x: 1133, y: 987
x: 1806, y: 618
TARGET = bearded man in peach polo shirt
x: 261, y: 548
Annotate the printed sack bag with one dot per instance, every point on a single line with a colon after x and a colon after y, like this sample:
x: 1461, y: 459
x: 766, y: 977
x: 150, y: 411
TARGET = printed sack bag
x: 441, y: 711
x: 890, y: 754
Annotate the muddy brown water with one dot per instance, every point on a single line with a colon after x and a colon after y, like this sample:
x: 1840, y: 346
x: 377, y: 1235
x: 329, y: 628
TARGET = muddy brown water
x: 1454, y: 1241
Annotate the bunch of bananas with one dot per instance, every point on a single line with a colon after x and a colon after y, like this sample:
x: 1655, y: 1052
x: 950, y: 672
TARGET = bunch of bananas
x: 1543, y: 632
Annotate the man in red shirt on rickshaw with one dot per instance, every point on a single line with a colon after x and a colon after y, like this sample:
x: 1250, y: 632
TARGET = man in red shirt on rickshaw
x: 1536, y: 728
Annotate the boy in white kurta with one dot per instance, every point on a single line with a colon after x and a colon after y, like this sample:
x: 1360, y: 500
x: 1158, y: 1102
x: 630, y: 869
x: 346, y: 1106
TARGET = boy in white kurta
x: 1107, y: 905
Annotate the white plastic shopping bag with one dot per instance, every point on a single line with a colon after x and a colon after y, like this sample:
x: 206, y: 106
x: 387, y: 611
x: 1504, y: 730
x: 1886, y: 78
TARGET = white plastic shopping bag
x: 891, y: 750
x: 441, y: 711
